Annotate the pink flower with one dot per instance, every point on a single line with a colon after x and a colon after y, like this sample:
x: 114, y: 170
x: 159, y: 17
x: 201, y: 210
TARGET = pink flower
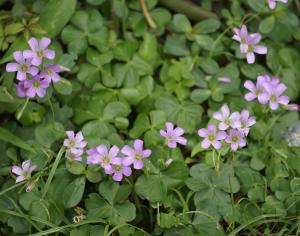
x: 211, y: 137
x: 24, y: 172
x: 226, y: 119
x: 39, y: 50
x: 119, y: 169
x: 272, y: 3
x: 275, y: 95
x: 36, y: 86
x: 135, y: 155
x: 293, y: 107
x: 103, y: 156
x: 245, y: 122
x: 21, y: 89
x: 173, y: 136
x: 249, y: 43
x: 236, y: 139
x: 75, y: 142
x: 50, y: 73
x: 225, y: 80
x: 21, y: 66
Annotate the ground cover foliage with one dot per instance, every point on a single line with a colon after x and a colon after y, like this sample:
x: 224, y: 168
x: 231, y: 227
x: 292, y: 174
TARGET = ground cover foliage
x: 128, y: 69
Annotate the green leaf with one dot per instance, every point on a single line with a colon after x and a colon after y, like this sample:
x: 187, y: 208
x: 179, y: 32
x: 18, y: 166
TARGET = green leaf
x: 185, y: 114
x: 256, y: 5
x: 200, y: 95
x: 207, y: 26
x: 151, y: 187
x: 46, y: 134
x: 55, y: 15
x: 209, y: 66
x: 176, y: 45
x: 181, y: 23
x: 7, y: 136
x: 267, y: 24
x: 74, y: 192
x: 116, y: 214
x: 63, y: 87
x: 115, y: 109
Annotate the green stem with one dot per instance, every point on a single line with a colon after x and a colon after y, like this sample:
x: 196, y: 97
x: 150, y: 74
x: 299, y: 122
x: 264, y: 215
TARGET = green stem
x: 20, y: 113
x: 52, y: 172
x: 11, y: 188
x: 191, y: 10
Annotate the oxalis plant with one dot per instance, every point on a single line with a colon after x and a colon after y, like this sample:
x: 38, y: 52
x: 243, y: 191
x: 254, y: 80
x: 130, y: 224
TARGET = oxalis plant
x: 149, y: 117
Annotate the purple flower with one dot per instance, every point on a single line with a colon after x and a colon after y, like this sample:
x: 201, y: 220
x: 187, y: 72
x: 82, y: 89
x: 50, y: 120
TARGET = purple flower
x: 21, y: 89
x: 50, y: 73
x: 119, y: 169
x: 71, y: 156
x: 235, y: 139
x: 75, y: 142
x: 103, y: 156
x: 256, y: 91
x: 226, y: 119
x: 23, y: 67
x: 248, y: 43
x: 225, y: 80
x: 245, y: 122
x: 254, y: 48
x: 274, y: 95
x: 135, y: 155
x: 24, y: 172
x: 272, y: 3
x: 173, y: 136
x: 241, y: 35
x: 36, y: 86
x: 39, y: 50
x: 293, y: 107
x: 211, y: 137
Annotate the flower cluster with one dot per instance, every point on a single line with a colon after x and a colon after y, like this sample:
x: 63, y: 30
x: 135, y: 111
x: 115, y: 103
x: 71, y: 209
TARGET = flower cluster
x: 33, y: 74
x: 272, y: 3
x: 268, y: 90
x: 236, y: 124
x: 75, y: 146
x: 249, y: 43
x: 115, y: 165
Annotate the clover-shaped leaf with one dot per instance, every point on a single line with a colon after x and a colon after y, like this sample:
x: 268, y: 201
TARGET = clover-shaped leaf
x: 111, y: 204
x: 86, y: 29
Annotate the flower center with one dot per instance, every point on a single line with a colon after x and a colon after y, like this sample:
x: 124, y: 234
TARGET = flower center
x: 71, y: 155
x: 106, y: 160
x: 39, y: 53
x: 227, y: 121
x: 117, y: 167
x: 273, y: 98
x: 234, y: 139
x: 138, y: 157
x: 211, y: 137
x: 250, y: 48
x: 48, y: 72
x: 36, y: 84
x: 26, y: 175
x: 24, y: 67
x: 243, y: 40
x: 243, y: 125
x: 257, y: 92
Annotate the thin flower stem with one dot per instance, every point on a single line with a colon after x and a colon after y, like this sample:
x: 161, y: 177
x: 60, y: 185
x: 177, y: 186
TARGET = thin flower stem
x: 11, y: 188
x: 52, y: 172
x: 147, y: 16
x: 158, y: 214
x: 20, y: 113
